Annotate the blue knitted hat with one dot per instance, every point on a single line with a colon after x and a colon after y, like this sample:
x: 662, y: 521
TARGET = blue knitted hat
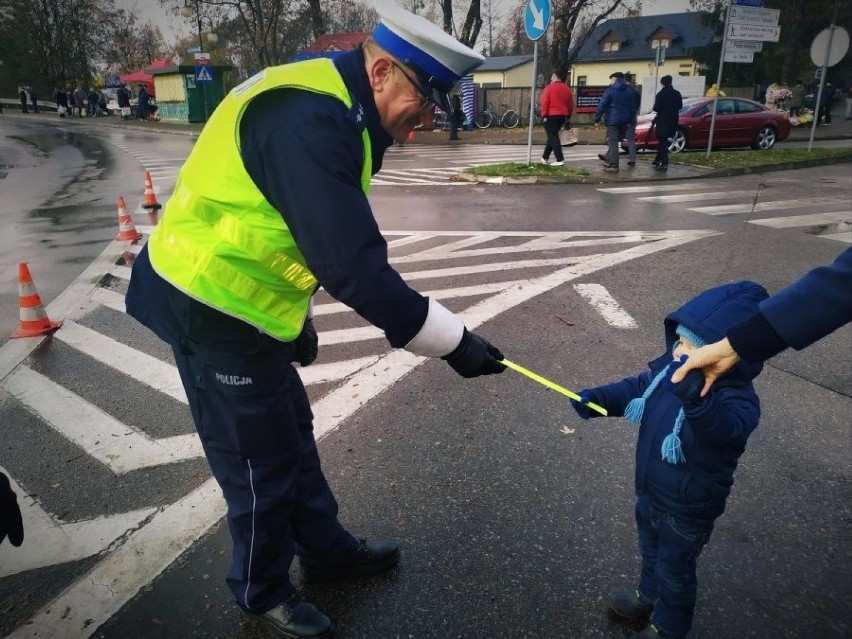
x: 671, y: 450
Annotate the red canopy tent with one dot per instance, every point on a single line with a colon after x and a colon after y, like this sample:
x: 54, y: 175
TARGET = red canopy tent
x: 138, y: 77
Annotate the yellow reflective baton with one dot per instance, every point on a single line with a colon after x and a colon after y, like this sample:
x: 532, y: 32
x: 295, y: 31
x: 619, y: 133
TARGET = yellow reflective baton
x: 553, y: 386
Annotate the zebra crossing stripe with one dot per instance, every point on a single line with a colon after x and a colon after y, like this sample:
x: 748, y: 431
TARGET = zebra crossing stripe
x: 731, y: 209
x: 693, y: 197
x: 805, y: 220
x: 653, y: 189
x: 605, y: 304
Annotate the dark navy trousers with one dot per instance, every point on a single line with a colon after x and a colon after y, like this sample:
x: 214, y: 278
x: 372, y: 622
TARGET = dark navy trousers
x: 670, y: 547
x: 252, y: 414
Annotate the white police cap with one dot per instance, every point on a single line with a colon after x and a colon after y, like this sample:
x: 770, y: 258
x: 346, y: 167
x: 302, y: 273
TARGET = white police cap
x: 438, y: 59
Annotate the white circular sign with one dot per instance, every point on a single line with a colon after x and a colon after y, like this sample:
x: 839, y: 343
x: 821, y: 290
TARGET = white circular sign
x: 839, y: 46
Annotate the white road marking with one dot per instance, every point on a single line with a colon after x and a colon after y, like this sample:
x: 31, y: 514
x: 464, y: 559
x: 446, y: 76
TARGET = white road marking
x: 136, y: 364
x: 99, y: 435
x: 605, y: 304
x: 78, y: 611
x: 693, y: 197
x: 48, y: 542
x: 845, y: 237
x: 731, y: 209
x: 653, y: 189
x: 814, y: 219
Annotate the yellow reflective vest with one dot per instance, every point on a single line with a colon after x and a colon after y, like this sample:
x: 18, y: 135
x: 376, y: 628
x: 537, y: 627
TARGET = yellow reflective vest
x: 220, y: 241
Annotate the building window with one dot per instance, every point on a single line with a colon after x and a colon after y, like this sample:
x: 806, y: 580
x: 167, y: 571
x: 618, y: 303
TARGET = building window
x: 581, y: 80
x: 609, y: 47
x: 656, y: 43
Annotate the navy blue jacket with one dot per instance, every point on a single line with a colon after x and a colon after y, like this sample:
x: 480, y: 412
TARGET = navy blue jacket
x: 618, y: 104
x: 716, y: 428
x: 304, y: 152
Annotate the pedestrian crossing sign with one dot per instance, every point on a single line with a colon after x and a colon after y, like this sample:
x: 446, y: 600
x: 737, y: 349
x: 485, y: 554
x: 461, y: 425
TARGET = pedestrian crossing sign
x: 203, y: 74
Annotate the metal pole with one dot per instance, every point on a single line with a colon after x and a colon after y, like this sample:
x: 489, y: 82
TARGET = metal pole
x: 824, y: 73
x: 532, y: 103
x: 201, y: 48
x: 719, y: 81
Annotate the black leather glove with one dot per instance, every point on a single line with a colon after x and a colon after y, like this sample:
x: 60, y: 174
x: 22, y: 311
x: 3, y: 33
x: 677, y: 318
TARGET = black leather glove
x: 582, y: 406
x: 689, y: 388
x: 307, y: 344
x: 11, y: 523
x: 475, y: 356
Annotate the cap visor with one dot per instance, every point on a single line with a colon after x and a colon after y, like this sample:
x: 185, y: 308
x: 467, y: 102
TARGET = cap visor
x: 441, y: 99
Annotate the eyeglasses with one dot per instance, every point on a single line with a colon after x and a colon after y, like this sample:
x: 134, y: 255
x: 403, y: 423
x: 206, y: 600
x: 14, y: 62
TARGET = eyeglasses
x: 428, y: 102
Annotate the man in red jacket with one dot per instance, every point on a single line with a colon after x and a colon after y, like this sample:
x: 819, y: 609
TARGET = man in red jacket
x: 557, y: 105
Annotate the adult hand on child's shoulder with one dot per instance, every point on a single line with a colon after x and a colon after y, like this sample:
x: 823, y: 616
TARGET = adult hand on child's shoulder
x: 689, y: 389
x: 714, y: 360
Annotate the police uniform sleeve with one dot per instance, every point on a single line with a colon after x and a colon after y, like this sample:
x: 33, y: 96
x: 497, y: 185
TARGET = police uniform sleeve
x: 306, y: 155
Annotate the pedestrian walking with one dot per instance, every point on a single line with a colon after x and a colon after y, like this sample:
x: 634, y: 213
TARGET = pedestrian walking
x: 617, y: 107
x: 261, y: 217
x: 557, y: 106
x: 22, y: 96
x: 630, y: 127
x: 34, y: 100
x: 92, y: 100
x: 667, y: 105
x: 11, y: 522
x: 686, y: 453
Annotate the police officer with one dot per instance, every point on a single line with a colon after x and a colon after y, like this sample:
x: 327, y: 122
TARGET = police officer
x: 270, y: 205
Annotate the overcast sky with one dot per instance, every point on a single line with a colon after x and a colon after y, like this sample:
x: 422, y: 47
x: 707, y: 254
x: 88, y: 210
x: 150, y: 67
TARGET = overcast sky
x: 151, y: 10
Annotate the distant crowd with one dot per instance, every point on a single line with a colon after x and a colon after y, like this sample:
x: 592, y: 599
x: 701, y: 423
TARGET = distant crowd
x: 92, y: 102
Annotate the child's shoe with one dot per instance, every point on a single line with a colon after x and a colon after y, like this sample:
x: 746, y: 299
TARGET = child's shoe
x: 630, y: 605
x: 651, y: 632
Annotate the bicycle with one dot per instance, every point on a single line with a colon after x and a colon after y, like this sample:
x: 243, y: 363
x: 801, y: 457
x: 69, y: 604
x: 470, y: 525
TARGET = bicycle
x: 538, y: 119
x: 509, y: 118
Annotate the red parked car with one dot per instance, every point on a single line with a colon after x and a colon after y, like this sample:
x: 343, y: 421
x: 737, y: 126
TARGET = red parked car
x: 739, y: 122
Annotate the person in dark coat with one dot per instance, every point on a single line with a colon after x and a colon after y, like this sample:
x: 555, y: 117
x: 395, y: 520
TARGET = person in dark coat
x: 11, y: 522
x: 807, y: 310
x: 22, y: 96
x: 617, y: 107
x: 667, y: 106
x: 61, y: 99
x: 34, y: 100
x: 829, y: 93
x: 456, y: 116
x: 686, y: 454
x: 142, y: 103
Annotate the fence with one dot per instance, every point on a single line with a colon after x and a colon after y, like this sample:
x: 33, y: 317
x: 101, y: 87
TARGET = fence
x: 517, y: 99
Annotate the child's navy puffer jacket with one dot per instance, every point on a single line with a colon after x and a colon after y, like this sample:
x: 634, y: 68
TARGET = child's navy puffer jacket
x: 715, y: 430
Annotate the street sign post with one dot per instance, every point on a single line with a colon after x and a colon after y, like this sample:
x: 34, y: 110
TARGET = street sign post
x: 745, y: 46
x: 740, y: 57
x: 754, y: 15
x: 536, y: 21
x: 748, y: 3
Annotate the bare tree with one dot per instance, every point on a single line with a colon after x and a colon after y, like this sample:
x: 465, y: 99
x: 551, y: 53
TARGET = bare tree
x: 573, y: 21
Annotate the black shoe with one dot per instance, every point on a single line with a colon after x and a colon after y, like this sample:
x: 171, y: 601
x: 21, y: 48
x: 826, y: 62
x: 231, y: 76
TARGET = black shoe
x: 611, y: 168
x: 603, y: 158
x: 662, y: 167
x: 296, y: 619
x: 655, y: 163
x: 630, y: 605
x: 369, y: 558
x: 631, y: 164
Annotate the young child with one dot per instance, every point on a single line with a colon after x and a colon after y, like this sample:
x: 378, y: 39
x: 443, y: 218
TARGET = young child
x: 686, y: 454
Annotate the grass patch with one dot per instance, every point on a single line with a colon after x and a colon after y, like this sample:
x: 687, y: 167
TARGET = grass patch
x: 744, y: 157
x: 516, y: 169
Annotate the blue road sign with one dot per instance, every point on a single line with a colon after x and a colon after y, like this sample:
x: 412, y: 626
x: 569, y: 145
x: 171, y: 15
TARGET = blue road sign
x: 537, y: 18
x: 748, y: 3
x: 203, y: 74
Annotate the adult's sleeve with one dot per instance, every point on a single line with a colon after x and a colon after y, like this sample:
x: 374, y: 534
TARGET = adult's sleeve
x: 809, y: 309
x: 545, y: 101
x: 307, y: 159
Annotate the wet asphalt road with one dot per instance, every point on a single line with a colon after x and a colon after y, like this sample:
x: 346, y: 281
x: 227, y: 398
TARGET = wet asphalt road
x: 509, y: 527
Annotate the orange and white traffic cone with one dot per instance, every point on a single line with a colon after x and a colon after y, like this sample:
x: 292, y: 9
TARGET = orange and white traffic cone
x: 150, y: 203
x: 126, y: 227
x: 34, y: 320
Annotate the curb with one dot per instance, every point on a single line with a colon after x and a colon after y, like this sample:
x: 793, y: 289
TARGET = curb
x: 781, y: 166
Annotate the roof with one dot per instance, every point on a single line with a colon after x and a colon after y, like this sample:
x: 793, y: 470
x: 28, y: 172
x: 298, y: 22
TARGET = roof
x: 503, y: 62
x: 688, y: 30
x: 338, y: 41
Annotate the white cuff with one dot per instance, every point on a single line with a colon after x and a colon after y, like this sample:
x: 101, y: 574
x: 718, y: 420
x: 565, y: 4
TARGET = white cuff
x: 440, y: 334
